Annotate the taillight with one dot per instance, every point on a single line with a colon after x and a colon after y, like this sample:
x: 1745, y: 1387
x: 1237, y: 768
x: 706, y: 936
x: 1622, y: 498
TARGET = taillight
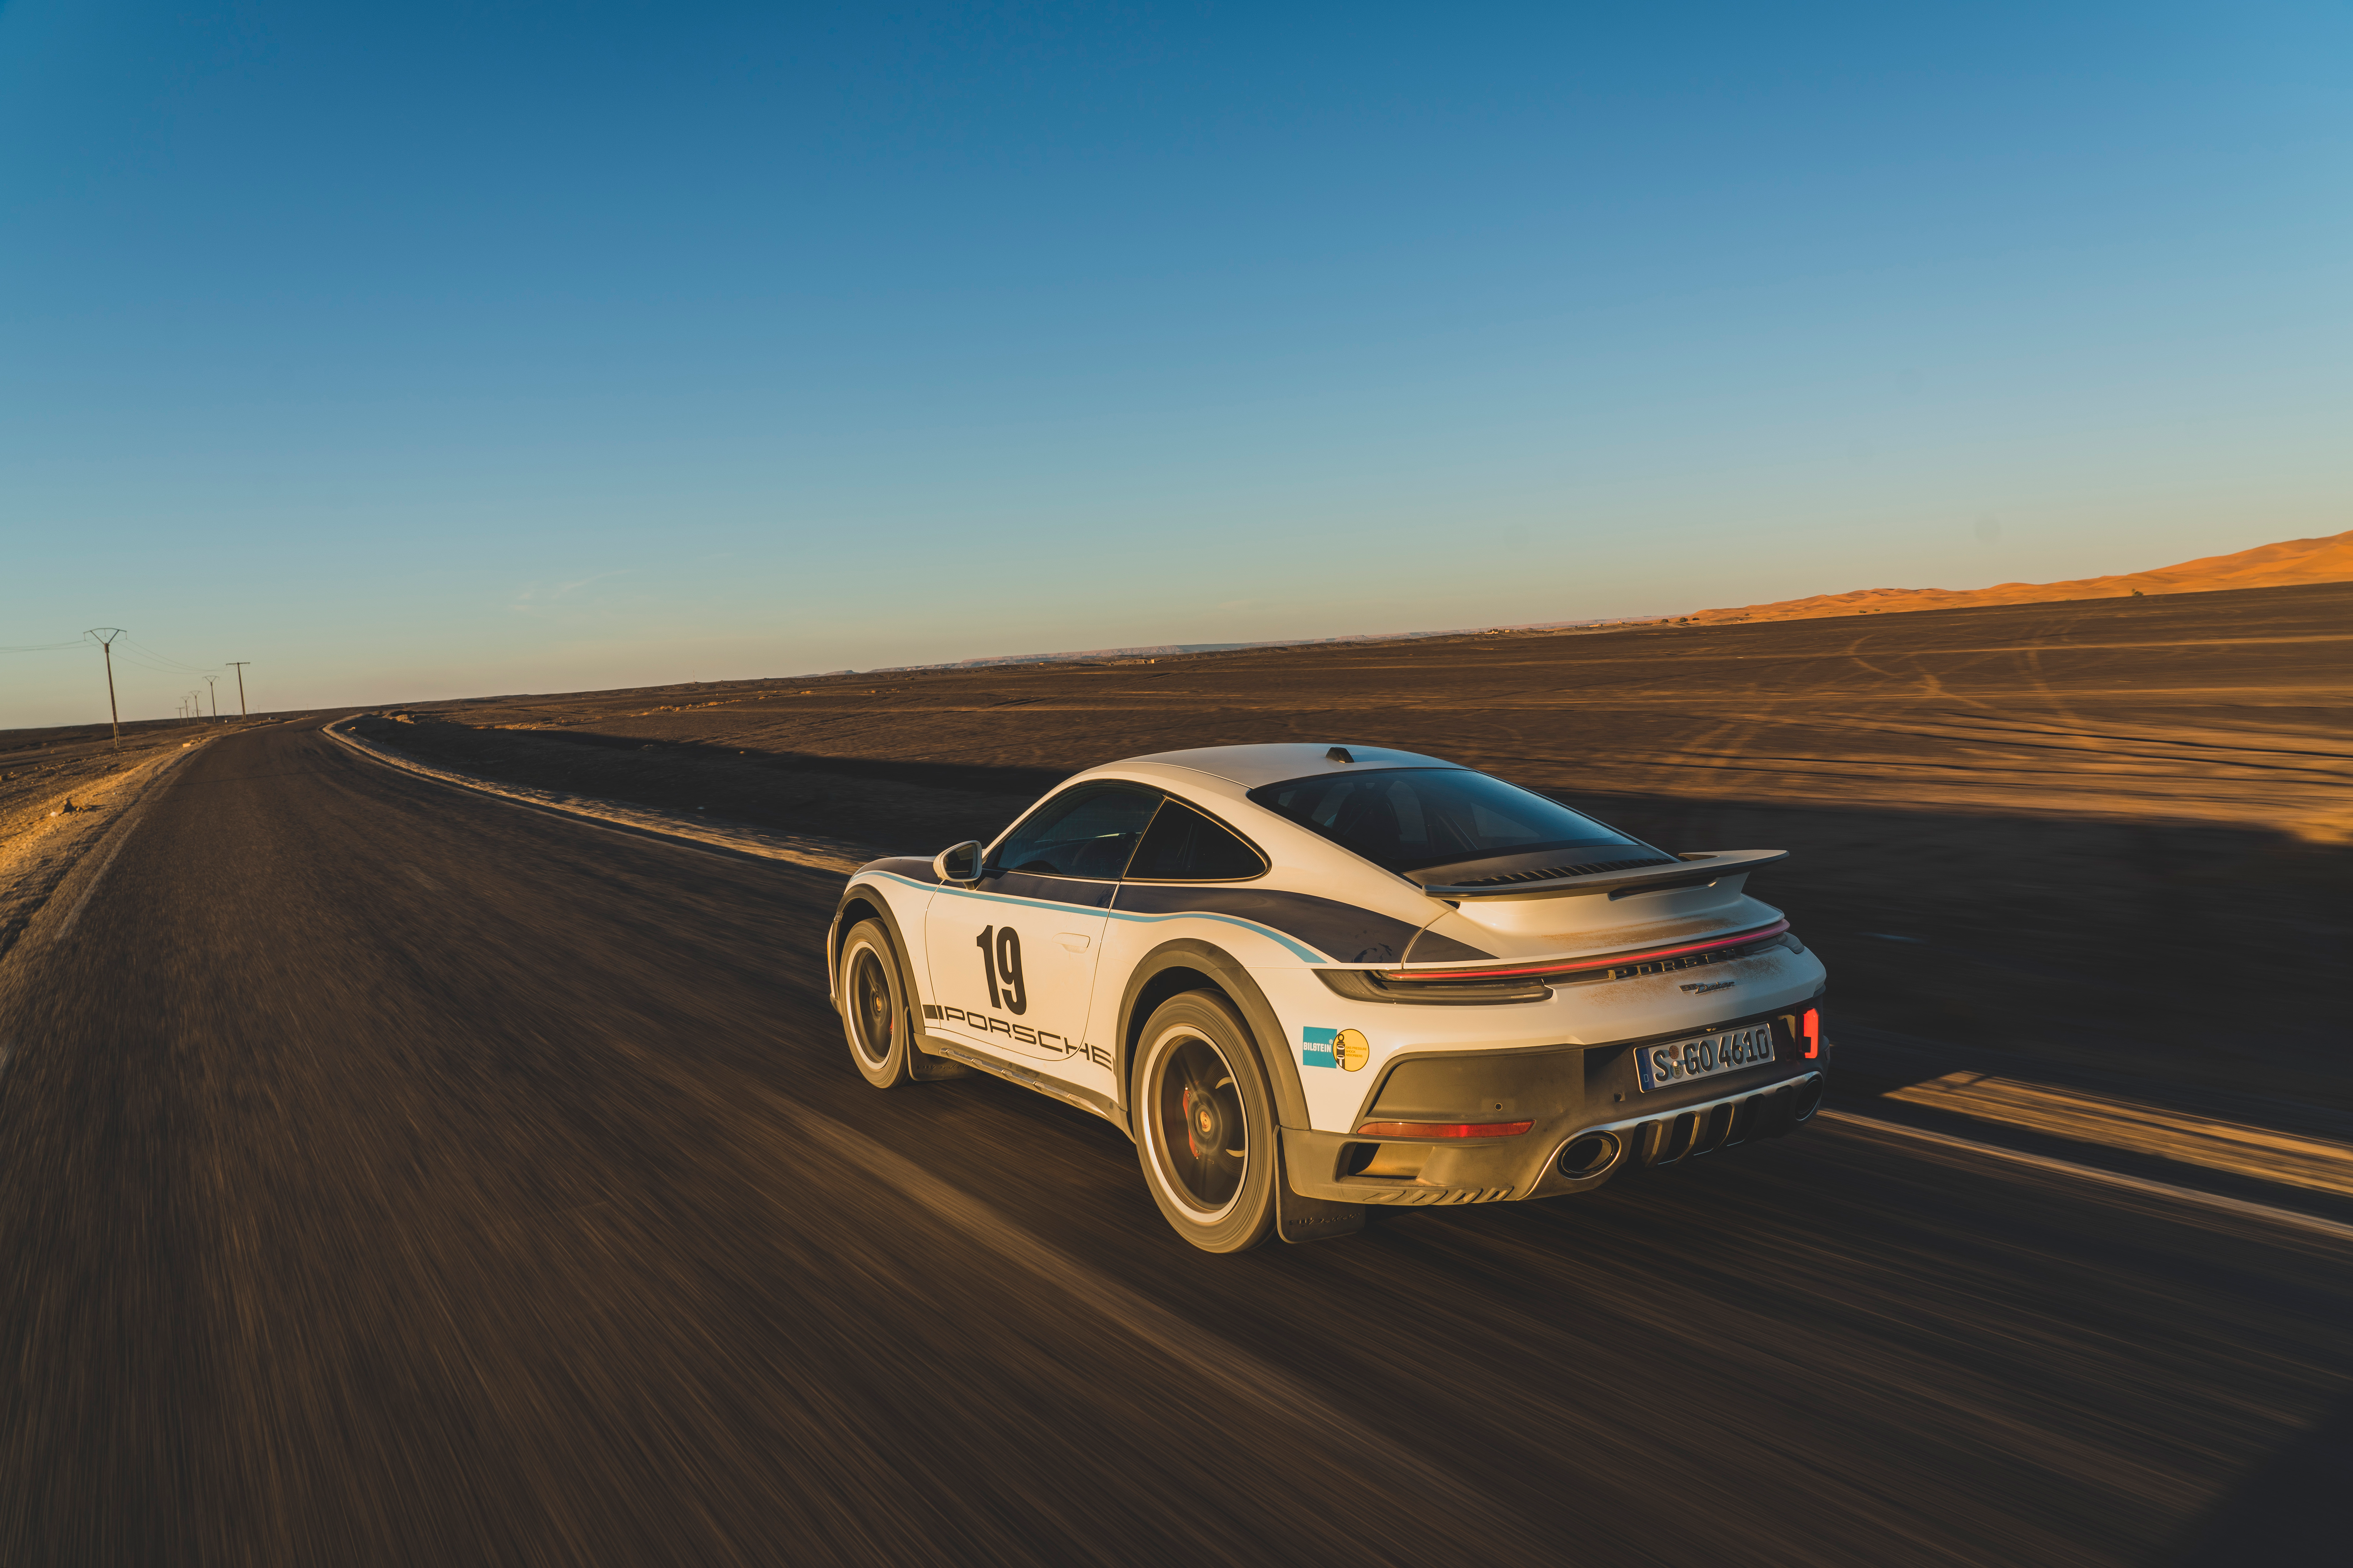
x: 1810, y: 1027
x: 1443, y: 1128
x: 1586, y: 965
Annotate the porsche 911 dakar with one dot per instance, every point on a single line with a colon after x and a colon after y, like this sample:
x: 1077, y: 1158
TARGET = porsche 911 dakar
x: 1310, y: 981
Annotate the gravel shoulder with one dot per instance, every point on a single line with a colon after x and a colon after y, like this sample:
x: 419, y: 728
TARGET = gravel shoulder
x: 46, y: 830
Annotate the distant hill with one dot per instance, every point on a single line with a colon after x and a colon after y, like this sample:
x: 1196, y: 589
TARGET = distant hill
x: 2286, y: 564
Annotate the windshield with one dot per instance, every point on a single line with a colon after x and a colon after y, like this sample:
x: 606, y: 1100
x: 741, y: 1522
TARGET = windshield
x: 1403, y: 819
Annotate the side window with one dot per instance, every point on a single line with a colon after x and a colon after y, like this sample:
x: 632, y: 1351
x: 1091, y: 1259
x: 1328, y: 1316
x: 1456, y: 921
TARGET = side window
x: 1088, y: 832
x: 1183, y: 846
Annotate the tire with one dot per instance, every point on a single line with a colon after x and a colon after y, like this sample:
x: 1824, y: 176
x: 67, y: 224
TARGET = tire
x: 1197, y: 1077
x: 874, y: 1006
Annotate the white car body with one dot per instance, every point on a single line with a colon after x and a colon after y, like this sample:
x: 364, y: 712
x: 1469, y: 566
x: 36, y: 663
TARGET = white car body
x: 1634, y: 955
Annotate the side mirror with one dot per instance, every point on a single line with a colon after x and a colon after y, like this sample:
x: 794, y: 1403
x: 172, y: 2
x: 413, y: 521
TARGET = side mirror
x: 959, y: 862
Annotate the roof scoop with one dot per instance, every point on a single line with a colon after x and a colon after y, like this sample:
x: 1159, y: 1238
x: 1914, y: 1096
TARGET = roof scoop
x: 1338, y: 754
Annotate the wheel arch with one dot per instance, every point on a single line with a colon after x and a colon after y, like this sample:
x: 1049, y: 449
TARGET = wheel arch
x: 863, y: 903
x: 1184, y: 965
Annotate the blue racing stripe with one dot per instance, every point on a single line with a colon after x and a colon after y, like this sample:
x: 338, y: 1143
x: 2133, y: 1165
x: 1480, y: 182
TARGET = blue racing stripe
x: 1300, y: 950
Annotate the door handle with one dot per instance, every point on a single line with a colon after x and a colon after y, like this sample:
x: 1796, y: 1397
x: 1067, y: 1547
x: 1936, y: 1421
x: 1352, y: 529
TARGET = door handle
x: 1073, y: 941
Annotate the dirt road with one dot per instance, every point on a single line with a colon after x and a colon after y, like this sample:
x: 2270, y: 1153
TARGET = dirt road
x: 392, y: 1175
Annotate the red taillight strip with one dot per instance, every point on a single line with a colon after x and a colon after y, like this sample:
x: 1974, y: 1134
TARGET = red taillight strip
x: 1760, y: 934
x: 1443, y: 1128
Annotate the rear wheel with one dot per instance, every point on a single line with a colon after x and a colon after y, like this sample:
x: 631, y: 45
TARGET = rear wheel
x: 1205, y: 1123
x: 873, y: 1008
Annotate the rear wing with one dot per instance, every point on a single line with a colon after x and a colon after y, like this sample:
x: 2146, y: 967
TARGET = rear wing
x: 1542, y: 877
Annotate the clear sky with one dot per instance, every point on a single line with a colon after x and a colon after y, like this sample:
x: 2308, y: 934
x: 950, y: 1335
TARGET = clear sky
x: 426, y: 350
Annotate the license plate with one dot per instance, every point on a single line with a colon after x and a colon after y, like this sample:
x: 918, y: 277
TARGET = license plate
x: 1661, y: 1067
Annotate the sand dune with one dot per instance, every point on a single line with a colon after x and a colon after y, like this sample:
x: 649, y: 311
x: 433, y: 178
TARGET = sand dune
x: 2285, y: 564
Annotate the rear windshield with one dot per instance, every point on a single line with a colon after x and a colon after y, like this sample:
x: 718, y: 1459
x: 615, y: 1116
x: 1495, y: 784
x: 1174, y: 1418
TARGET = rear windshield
x: 1403, y: 819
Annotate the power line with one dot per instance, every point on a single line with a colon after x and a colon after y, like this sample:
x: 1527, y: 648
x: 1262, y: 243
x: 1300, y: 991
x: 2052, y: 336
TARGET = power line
x: 181, y: 666
x: 240, y: 664
x: 106, y: 636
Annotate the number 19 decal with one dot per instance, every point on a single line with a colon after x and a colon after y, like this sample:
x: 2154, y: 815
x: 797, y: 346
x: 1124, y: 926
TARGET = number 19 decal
x: 1000, y: 959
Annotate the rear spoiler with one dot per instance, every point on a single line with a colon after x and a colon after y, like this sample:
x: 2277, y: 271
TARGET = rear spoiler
x: 1527, y: 876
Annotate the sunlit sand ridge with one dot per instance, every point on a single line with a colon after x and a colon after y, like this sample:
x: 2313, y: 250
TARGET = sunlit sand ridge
x: 2287, y: 563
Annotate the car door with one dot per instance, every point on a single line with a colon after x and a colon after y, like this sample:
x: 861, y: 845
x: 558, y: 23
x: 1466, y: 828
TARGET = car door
x: 1012, y: 958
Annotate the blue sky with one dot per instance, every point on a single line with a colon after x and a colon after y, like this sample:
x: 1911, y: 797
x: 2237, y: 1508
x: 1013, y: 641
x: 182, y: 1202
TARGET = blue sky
x: 425, y: 350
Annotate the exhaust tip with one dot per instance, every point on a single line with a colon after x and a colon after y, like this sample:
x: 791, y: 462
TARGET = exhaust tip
x: 1808, y: 1099
x: 1590, y: 1155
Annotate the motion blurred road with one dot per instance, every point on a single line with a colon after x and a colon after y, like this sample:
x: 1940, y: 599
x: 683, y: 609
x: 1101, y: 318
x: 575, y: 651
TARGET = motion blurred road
x: 392, y: 1175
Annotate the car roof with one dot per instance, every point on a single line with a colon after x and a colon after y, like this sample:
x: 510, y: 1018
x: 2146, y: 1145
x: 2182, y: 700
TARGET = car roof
x: 1250, y: 766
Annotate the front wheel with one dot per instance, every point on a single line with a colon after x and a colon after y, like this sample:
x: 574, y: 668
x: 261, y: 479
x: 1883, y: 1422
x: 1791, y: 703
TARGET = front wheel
x: 873, y: 1012
x: 1205, y: 1123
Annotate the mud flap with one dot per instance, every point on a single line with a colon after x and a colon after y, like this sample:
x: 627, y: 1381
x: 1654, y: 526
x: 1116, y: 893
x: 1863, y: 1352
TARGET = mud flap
x: 926, y: 1066
x: 1298, y: 1218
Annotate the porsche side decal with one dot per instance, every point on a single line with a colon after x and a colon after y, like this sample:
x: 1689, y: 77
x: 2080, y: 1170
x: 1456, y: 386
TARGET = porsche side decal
x: 1304, y: 953
x: 1350, y: 934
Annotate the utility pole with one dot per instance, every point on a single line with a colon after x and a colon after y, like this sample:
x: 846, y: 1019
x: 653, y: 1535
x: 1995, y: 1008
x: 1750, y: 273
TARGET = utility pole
x: 215, y: 694
x: 106, y: 636
x: 240, y: 664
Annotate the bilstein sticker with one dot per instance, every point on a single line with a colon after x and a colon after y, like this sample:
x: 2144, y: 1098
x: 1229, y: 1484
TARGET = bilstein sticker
x: 1334, y: 1048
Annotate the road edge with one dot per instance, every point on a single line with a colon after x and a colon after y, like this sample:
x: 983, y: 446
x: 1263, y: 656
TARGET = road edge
x: 73, y: 878
x: 736, y: 842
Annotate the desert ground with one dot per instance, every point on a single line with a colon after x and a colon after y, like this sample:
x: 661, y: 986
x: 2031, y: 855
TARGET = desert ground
x: 396, y: 1174
x: 2111, y: 834
x: 42, y: 769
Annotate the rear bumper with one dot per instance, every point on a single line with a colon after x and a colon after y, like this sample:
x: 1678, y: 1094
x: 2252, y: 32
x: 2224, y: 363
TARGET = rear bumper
x: 1559, y: 1155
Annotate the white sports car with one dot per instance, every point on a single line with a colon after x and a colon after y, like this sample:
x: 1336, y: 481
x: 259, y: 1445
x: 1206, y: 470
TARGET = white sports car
x: 1306, y: 980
